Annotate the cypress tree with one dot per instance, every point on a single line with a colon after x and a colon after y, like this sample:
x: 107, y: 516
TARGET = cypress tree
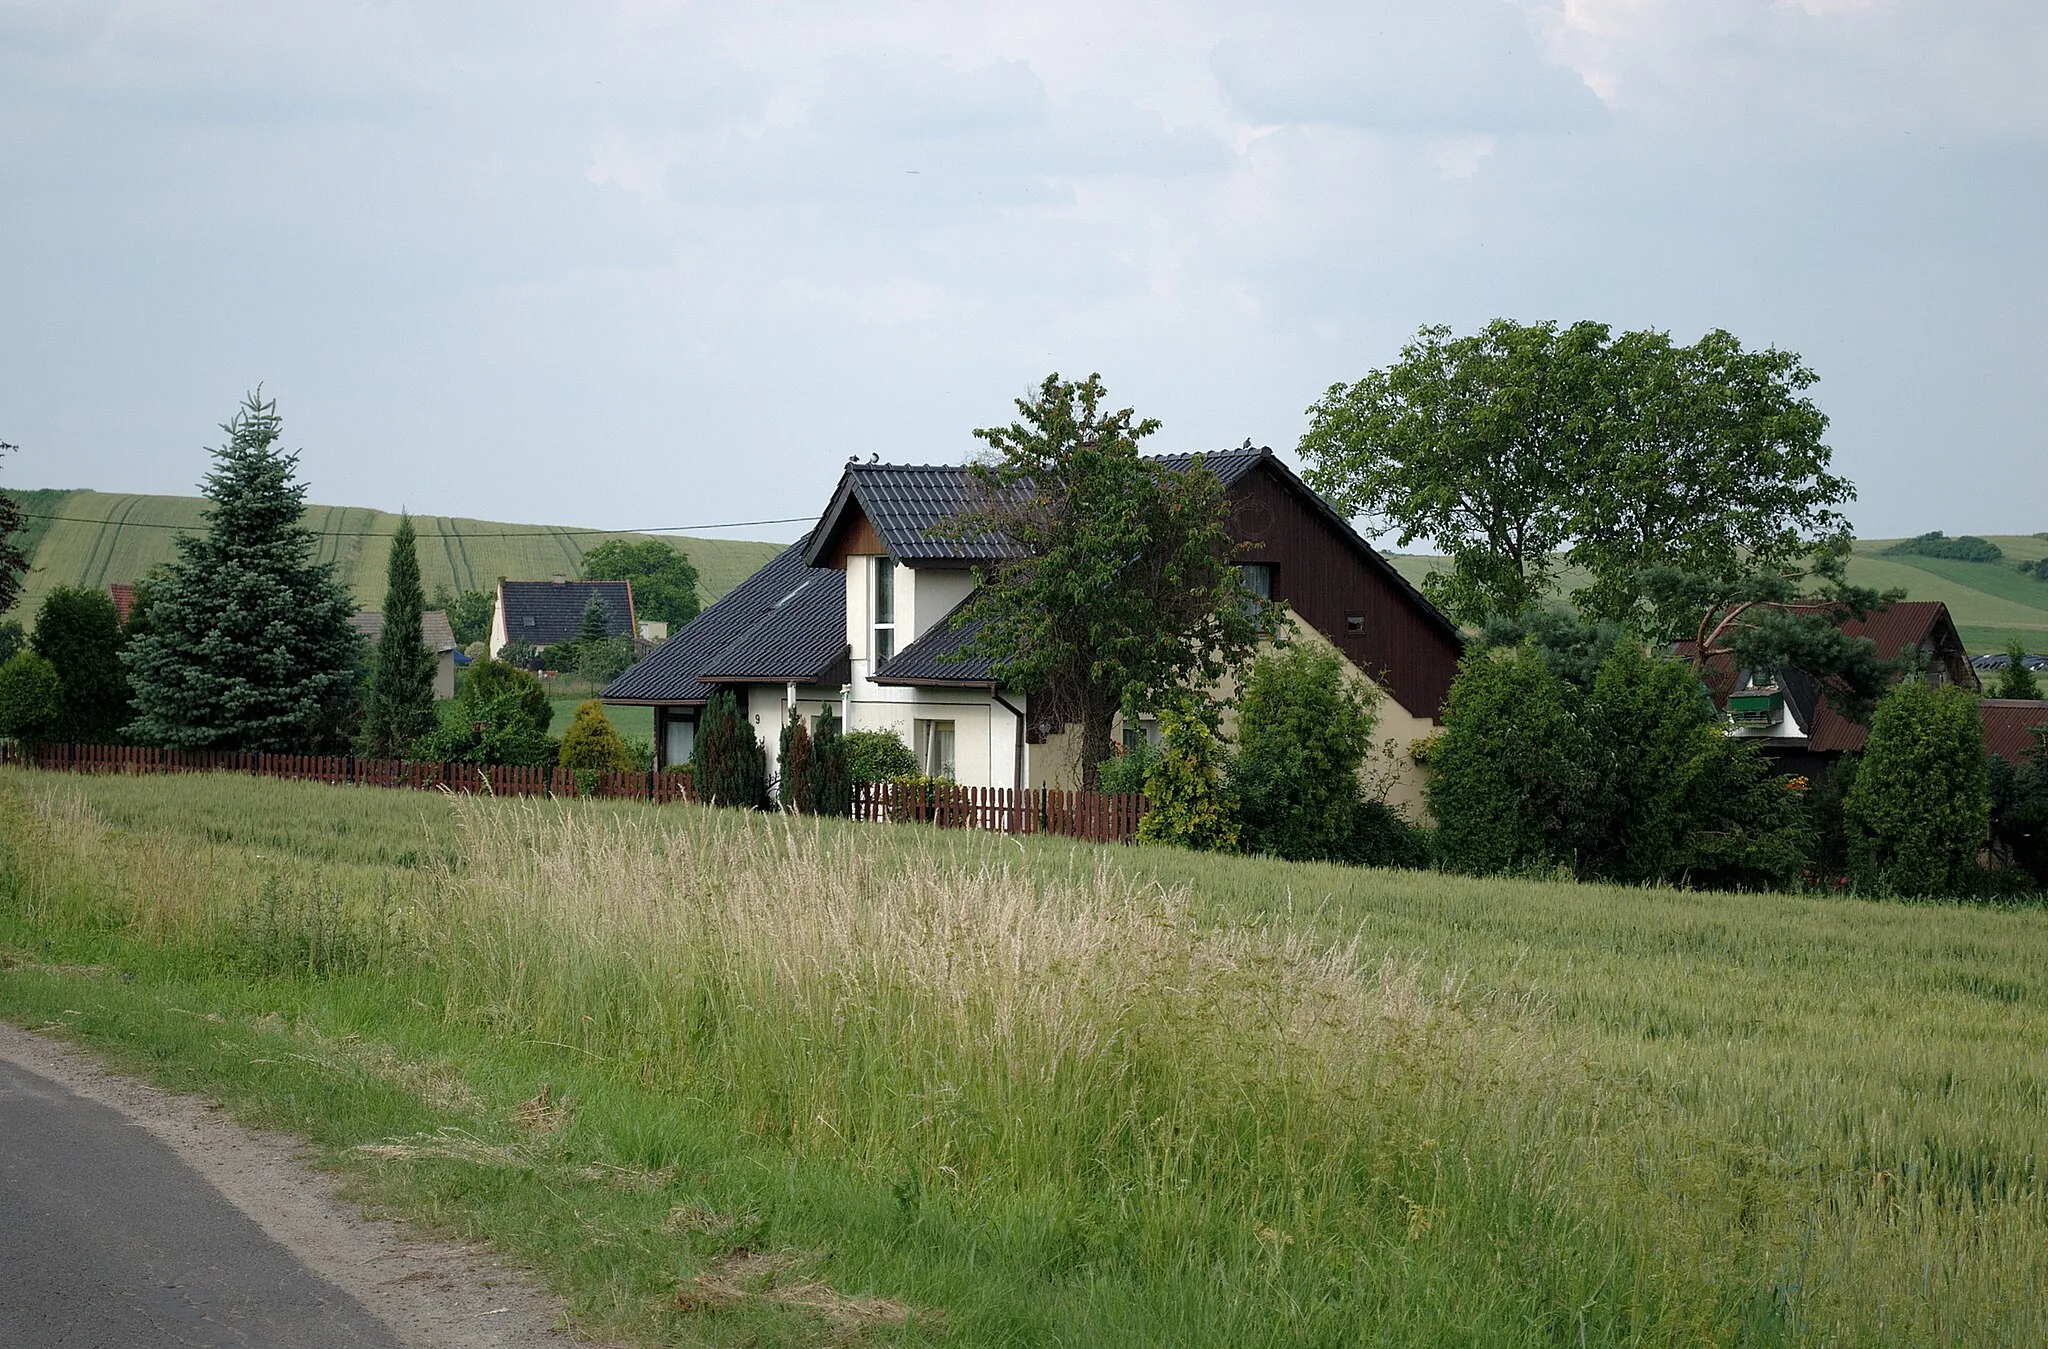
x: 831, y: 774
x: 794, y: 788
x: 249, y: 646
x: 398, y: 707
x: 729, y: 766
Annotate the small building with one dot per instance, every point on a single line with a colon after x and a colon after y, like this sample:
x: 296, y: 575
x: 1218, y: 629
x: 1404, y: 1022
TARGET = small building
x: 435, y: 634
x: 541, y: 614
x: 123, y: 596
x: 1789, y: 715
x: 861, y: 617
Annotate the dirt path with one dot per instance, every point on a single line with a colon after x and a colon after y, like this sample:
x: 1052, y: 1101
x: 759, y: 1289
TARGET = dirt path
x: 116, y: 1231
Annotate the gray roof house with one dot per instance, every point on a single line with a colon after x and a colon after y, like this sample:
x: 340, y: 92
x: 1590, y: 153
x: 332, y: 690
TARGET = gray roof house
x: 858, y: 619
x: 544, y: 613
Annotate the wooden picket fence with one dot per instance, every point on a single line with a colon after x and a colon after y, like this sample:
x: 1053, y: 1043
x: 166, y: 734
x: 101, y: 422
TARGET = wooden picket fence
x: 346, y: 770
x: 1098, y: 817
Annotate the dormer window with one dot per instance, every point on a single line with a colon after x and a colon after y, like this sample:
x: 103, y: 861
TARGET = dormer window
x: 885, y: 609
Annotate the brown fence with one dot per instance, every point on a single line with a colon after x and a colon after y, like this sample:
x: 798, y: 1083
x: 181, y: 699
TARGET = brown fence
x: 1095, y: 816
x: 1099, y: 817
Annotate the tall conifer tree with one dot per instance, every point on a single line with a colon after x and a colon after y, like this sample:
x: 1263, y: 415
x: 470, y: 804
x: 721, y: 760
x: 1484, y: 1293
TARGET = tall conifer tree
x: 249, y: 645
x: 398, y: 707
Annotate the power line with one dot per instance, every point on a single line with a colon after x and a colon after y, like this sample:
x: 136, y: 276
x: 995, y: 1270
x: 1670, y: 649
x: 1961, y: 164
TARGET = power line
x: 553, y: 532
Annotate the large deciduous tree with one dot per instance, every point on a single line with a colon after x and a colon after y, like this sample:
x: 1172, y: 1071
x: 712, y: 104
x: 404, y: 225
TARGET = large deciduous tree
x: 250, y: 645
x: 398, y: 705
x: 1121, y: 589
x: 1525, y: 446
x: 13, y: 558
x: 664, y: 580
x: 1471, y: 443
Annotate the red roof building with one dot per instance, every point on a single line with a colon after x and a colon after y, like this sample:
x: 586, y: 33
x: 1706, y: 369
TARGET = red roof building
x: 2010, y: 726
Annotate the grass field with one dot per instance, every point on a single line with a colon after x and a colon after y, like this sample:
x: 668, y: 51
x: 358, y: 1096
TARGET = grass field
x: 725, y: 1081
x: 465, y: 554
x: 1992, y: 603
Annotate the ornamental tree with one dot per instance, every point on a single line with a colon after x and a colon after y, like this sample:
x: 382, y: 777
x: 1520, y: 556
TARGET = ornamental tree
x: 31, y: 699
x: 1188, y: 803
x: 250, y: 645
x: 831, y: 775
x: 794, y: 789
x: 1303, y: 729
x: 1121, y: 588
x: 398, y: 703
x: 728, y: 765
x: 592, y: 743
x: 78, y: 631
x: 1919, y: 811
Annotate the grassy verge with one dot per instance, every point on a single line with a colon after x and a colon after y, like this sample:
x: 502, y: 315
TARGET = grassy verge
x: 724, y: 1081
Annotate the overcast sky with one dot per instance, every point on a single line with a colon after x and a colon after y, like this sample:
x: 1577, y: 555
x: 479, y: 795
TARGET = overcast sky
x: 667, y: 264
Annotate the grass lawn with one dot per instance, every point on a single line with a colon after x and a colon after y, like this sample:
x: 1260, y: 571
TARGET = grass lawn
x: 726, y: 1081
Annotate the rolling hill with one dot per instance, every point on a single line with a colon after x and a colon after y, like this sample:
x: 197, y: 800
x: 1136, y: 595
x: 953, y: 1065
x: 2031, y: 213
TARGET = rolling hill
x: 1992, y: 602
x: 97, y: 538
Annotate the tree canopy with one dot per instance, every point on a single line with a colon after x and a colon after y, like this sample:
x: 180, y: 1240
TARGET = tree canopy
x: 664, y: 580
x: 1526, y: 445
x: 250, y: 645
x: 1123, y: 587
x: 13, y: 559
x: 78, y: 630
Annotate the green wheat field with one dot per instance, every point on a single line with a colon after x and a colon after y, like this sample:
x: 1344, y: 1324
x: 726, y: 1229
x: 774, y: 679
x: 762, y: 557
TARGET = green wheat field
x: 107, y: 537
x: 735, y: 1079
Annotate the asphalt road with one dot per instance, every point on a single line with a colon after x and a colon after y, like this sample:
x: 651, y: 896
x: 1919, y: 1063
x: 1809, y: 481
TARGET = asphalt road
x: 108, y: 1238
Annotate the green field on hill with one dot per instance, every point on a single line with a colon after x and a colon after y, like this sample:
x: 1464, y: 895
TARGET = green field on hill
x: 726, y: 1078
x: 1992, y: 603
x: 106, y: 537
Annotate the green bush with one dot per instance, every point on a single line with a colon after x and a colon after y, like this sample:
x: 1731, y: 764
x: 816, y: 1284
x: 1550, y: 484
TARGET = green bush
x: 794, y: 789
x: 1380, y: 837
x: 1652, y: 733
x: 2019, y: 811
x: 877, y: 756
x: 31, y: 699
x: 1920, y: 810
x: 1510, y: 779
x: 1188, y: 802
x: 2016, y: 680
x: 1746, y: 828
x: 1303, y: 729
x: 501, y: 716
x: 605, y: 659
x: 12, y: 639
x: 729, y: 765
x: 489, y: 680
x: 592, y: 743
x: 1124, y: 772
x: 831, y: 779
x: 79, y: 632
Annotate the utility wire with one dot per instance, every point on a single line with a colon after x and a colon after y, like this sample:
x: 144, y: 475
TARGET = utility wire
x: 554, y: 532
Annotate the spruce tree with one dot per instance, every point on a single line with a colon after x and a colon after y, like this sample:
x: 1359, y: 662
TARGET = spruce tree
x: 831, y: 775
x: 250, y: 646
x: 794, y: 788
x: 398, y: 706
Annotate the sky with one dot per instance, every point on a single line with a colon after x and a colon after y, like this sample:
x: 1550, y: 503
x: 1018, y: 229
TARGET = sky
x: 649, y: 264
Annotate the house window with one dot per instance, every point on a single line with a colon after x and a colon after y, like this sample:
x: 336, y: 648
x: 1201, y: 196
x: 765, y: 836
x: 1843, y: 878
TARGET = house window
x: 1354, y: 623
x: 682, y: 741
x: 935, y: 748
x: 885, y: 609
x: 1258, y: 578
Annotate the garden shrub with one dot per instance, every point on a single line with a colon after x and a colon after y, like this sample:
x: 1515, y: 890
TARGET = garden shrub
x: 1827, y: 825
x: 496, y: 730
x: 31, y: 699
x: 729, y: 765
x: 1920, y: 810
x: 1380, y: 837
x: 1652, y: 732
x: 592, y: 743
x: 1510, y: 778
x: 831, y: 779
x: 489, y: 680
x: 1303, y: 729
x: 2019, y: 811
x: 78, y: 631
x: 1124, y: 772
x: 1746, y: 825
x: 794, y: 789
x: 1188, y: 802
x: 2016, y: 680
x: 877, y: 756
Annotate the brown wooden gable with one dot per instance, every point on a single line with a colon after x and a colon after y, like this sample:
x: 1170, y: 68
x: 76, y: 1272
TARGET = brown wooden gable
x: 1321, y: 568
x: 854, y: 535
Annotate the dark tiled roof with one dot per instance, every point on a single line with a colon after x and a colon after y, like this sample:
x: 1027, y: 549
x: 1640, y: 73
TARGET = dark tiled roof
x: 2010, y: 726
x: 673, y: 672
x: 435, y: 633
x: 907, y: 504
x: 802, y: 636
x: 1228, y: 465
x: 925, y: 661
x: 556, y: 609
